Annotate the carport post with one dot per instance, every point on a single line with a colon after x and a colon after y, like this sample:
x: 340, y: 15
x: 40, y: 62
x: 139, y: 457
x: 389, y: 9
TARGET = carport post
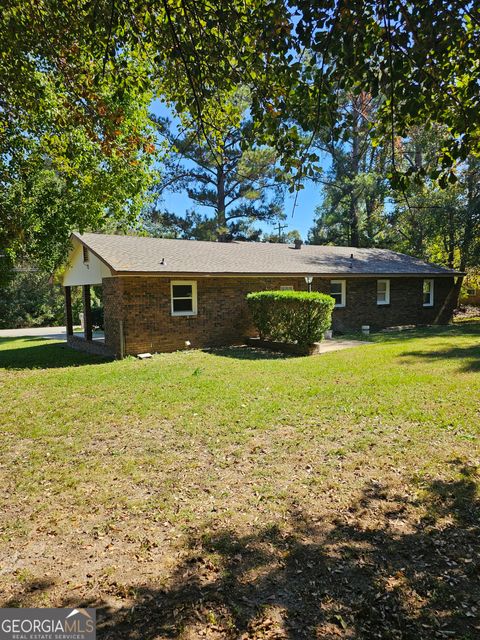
x: 68, y: 310
x: 87, y: 312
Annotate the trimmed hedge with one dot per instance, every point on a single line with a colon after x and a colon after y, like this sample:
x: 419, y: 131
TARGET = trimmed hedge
x: 291, y: 316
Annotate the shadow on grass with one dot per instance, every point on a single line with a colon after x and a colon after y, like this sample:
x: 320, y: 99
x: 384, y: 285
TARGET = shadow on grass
x: 468, y: 357
x: 243, y: 352
x: 374, y: 570
x: 456, y: 329
x: 36, y: 353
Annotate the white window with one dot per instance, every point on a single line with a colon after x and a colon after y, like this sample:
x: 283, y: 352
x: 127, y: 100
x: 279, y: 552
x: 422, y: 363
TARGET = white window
x: 184, y: 297
x: 286, y: 287
x: 85, y: 254
x: 338, y: 290
x: 428, y: 293
x: 383, y: 291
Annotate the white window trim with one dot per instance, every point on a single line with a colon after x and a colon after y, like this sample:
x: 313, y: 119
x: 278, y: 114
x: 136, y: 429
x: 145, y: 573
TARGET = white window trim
x: 287, y: 287
x: 193, y: 284
x: 432, y: 294
x: 387, y: 292
x: 343, y: 284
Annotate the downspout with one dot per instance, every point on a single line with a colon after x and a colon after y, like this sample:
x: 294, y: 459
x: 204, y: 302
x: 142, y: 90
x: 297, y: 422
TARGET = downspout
x: 121, y: 339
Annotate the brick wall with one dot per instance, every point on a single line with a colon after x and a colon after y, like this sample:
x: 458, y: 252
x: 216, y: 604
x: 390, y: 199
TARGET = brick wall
x: 406, y: 303
x: 114, y: 312
x: 90, y: 346
x: 143, y: 304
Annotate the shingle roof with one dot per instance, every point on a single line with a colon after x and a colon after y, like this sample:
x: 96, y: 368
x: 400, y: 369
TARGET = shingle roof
x: 133, y: 254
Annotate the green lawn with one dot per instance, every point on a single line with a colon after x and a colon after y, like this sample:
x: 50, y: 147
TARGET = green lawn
x: 240, y: 494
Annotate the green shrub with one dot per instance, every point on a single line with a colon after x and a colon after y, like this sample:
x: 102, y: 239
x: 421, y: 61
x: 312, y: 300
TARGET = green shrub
x: 291, y: 316
x: 30, y: 299
x: 97, y: 318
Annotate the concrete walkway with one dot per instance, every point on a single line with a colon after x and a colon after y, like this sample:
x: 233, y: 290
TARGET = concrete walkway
x: 336, y: 344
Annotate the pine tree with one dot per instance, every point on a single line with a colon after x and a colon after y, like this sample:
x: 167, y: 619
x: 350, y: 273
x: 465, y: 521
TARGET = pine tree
x: 238, y: 181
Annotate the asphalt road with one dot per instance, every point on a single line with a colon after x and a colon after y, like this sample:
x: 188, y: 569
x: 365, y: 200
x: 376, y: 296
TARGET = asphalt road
x: 55, y: 333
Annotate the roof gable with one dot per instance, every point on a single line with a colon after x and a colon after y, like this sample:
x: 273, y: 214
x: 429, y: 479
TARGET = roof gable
x: 79, y: 272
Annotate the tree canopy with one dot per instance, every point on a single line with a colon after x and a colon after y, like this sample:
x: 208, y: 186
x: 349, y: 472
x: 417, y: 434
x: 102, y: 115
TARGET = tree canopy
x: 421, y: 58
x: 76, y: 76
x: 440, y: 225
x: 75, y: 148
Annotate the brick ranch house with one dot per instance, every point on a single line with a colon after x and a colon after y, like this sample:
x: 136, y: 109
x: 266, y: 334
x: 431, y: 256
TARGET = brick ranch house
x: 161, y: 295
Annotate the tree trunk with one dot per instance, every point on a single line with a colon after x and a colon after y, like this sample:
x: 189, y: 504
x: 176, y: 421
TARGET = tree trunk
x: 370, y: 204
x: 468, y: 233
x: 470, y: 214
x: 451, y: 239
x: 354, y: 233
x: 222, y: 234
x: 353, y: 208
x: 418, y: 156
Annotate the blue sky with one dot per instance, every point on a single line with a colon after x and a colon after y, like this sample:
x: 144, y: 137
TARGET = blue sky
x: 301, y: 218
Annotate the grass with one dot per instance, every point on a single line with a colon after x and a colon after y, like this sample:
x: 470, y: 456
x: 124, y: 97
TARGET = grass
x: 234, y: 492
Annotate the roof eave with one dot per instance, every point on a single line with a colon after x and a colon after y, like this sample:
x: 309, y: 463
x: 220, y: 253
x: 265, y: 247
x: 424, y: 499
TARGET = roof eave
x: 288, y: 274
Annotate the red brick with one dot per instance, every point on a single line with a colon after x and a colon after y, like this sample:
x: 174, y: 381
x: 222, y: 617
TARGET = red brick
x: 143, y: 304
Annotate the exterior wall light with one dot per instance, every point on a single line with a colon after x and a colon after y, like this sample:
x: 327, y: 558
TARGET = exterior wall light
x: 309, y: 280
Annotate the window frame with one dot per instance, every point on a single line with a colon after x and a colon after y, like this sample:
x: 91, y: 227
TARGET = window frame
x: 383, y: 303
x: 193, y: 298
x: 343, y: 293
x: 287, y: 287
x: 431, y: 301
x: 85, y: 254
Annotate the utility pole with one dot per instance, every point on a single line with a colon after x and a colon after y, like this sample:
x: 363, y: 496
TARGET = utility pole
x: 279, y: 228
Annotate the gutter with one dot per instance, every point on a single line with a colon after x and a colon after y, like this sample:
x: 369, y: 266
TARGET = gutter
x: 235, y: 274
